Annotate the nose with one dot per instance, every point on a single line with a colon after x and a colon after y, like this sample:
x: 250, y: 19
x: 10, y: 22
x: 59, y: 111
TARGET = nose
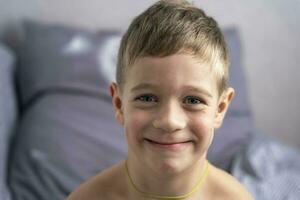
x: 170, y: 118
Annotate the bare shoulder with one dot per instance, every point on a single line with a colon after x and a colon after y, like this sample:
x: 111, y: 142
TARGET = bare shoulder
x: 106, y: 185
x: 226, y: 186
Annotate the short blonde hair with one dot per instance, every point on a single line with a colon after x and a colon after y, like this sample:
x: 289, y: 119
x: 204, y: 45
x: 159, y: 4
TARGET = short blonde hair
x: 169, y: 27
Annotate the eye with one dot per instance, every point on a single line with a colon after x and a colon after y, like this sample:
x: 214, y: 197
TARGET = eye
x: 193, y: 100
x: 146, y: 98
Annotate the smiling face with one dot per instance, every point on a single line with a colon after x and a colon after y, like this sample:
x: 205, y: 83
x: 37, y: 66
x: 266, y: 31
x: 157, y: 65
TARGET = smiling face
x: 169, y: 108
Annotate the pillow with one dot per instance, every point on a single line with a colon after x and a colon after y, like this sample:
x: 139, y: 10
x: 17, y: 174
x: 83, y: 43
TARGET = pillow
x: 67, y: 131
x: 237, y: 127
x: 8, y: 112
x: 56, y: 57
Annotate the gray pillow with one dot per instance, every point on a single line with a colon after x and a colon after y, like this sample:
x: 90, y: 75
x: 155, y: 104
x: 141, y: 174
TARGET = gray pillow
x: 67, y: 131
x: 55, y: 57
x: 8, y: 112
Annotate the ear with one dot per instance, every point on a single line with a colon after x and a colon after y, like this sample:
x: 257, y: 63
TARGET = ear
x: 223, y: 105
x: 117, y: 102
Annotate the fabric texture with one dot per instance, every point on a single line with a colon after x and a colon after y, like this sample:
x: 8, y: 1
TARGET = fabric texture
x: 8, y: 112
x: 270, y: 170
x: 67, y: 132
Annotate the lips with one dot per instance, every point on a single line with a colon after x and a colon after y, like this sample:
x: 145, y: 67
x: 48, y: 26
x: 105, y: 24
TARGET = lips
x: 168, y: 142
x: 169, y: 145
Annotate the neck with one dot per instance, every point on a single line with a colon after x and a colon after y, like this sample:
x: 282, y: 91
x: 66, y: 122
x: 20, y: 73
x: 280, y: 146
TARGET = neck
x: 161, y: 185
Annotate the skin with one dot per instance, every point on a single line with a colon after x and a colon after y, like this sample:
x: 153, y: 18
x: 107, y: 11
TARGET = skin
x: 169, y: 107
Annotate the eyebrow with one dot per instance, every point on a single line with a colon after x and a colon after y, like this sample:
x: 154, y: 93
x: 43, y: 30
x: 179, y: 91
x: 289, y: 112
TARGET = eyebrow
x: 186, y: 87
x: 144, y: 86
x: 198, y: 90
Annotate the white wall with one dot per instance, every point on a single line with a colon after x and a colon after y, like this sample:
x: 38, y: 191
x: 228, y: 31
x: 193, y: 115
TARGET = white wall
x: 270, y: 31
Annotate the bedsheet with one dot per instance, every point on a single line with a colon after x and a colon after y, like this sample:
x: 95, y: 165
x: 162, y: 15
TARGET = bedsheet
x: 269, y: 169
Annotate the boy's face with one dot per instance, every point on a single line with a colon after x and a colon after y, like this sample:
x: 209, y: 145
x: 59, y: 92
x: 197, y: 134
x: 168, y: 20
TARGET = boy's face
x: 169, y: 108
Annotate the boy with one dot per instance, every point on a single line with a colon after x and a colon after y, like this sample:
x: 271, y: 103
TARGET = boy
x: 171, y: 93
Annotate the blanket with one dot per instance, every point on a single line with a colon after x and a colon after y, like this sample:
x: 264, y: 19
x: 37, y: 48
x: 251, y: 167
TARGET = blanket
x: 269, y: 170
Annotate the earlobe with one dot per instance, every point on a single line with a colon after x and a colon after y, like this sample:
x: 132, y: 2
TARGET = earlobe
x: 223, y: 105
x: 117, y: 102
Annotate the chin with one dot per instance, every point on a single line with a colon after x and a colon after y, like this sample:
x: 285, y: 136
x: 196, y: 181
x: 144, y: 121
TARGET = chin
x: 171, y: 166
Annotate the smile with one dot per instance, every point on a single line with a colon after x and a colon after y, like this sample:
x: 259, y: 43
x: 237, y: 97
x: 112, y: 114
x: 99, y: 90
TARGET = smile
x: 168, y: 145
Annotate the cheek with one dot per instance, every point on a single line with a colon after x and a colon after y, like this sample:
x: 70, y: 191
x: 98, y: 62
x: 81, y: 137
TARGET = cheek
x: 135, y: 123
x: 203, y: 128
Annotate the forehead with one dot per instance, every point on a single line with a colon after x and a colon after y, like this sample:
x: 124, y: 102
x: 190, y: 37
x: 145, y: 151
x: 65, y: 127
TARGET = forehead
x: 174, y: 72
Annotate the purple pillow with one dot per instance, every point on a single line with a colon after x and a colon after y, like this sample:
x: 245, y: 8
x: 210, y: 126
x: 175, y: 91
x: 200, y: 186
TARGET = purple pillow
x: 67, y: 130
